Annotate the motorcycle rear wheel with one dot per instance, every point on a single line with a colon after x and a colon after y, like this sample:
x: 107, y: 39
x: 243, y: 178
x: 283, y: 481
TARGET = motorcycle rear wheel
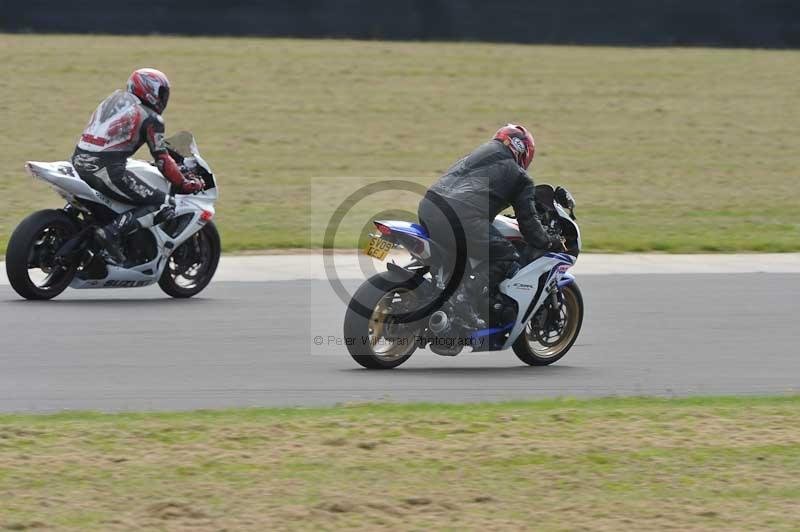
x: 31, y: 267
x: 533, y: 352
x: 369, y: 339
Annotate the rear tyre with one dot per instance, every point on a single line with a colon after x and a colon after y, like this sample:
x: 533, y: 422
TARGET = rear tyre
x: 542, y: 348
x: 375, y: 341
x: 30, y: 257
x: 192, y: 265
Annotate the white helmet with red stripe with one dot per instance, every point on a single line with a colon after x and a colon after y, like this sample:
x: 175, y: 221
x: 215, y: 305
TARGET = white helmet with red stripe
x: 151, y: 86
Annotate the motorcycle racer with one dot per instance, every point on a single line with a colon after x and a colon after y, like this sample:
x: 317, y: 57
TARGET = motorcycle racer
x: 475, y: 190
x: 120, y: 125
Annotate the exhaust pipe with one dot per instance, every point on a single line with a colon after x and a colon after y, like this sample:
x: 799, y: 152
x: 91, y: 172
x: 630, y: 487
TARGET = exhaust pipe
x: 438, y: 322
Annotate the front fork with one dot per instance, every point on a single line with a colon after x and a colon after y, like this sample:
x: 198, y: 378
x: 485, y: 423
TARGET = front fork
x: 554, y: 312
x: 551, y: 313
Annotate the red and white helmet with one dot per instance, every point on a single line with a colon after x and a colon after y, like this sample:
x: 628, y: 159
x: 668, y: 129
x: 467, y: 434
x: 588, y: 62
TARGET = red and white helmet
x: 520, y: 141
x: 151, y: 86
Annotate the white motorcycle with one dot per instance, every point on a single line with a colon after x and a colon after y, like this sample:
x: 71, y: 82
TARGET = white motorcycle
x: 53, y: 249
x: 538, y: 313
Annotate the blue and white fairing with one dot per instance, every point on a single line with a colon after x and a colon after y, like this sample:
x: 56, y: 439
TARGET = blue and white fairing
x: 536, y: 281
x: 408, y: 228
x: 411, y: 236
x: 533, y: 284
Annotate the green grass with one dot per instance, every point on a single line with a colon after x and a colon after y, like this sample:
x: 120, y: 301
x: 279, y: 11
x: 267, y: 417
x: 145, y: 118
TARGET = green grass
x: 608, y: 464
x: 676, y: 150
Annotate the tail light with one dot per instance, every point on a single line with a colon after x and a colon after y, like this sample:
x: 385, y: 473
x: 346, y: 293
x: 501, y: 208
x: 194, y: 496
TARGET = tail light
x: 206, y: 216
x: 383, y: 229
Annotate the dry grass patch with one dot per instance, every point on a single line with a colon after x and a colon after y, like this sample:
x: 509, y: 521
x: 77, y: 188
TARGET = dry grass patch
x: 665, y: 149
x: 556, y: 465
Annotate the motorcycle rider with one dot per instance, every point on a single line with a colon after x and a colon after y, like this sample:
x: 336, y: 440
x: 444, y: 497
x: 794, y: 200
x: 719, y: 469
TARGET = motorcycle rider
x: 119, y: 126
x: 466, y: 199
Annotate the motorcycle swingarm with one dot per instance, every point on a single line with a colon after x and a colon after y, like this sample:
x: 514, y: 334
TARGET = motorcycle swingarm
x: 69, y: 250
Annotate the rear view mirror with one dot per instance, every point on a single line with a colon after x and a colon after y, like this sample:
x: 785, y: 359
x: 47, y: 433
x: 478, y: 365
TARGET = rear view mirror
x: 564, y: 198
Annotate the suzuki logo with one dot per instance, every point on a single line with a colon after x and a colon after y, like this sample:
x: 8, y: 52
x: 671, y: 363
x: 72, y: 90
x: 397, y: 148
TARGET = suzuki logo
x: 125, y: 284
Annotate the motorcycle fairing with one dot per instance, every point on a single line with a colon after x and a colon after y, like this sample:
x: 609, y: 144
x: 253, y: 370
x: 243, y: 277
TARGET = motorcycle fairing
x: 408, y: 228
x: 565, y: 280
x: 529, y: 287
x: 63, y: 178
x: 150, y: 272
x: 508, y: 227
x: 489, y: 339
x: 419, y: 246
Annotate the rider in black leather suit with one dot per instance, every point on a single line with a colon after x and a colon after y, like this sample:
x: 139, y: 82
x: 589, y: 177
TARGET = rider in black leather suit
x: 474, y: 191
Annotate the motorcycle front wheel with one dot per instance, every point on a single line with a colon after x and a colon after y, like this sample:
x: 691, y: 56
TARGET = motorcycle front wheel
x: 31, y: 265
x: 192, y: 265
x: 538, y: 347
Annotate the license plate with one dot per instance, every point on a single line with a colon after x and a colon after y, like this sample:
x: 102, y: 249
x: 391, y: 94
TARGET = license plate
x: 378, y: 248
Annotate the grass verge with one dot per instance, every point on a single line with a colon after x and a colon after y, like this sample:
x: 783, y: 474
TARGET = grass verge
x: 676, y: 150
x: 608, y: 464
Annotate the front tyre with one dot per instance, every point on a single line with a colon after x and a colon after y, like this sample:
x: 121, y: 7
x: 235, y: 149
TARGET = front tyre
x: 541, y: 345
x: 192, y: 265
x: 376, y: 341
x: 31, y: 264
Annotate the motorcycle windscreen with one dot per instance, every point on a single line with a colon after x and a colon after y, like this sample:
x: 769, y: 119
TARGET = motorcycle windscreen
x: 183, y: 144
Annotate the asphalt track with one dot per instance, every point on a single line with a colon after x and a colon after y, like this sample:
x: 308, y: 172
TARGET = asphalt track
x: 252, y: 344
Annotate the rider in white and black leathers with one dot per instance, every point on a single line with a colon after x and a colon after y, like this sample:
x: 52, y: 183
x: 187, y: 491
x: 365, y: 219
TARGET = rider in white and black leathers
x: 120, y: 125
x: 475, y: 190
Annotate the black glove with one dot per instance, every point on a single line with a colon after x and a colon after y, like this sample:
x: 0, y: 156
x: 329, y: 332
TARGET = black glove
x: 554, y: 243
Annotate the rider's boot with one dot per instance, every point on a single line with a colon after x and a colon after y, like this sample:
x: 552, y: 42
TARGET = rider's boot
x: 110, y: 236
x: 482, y: 292
x: 499, y: 271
